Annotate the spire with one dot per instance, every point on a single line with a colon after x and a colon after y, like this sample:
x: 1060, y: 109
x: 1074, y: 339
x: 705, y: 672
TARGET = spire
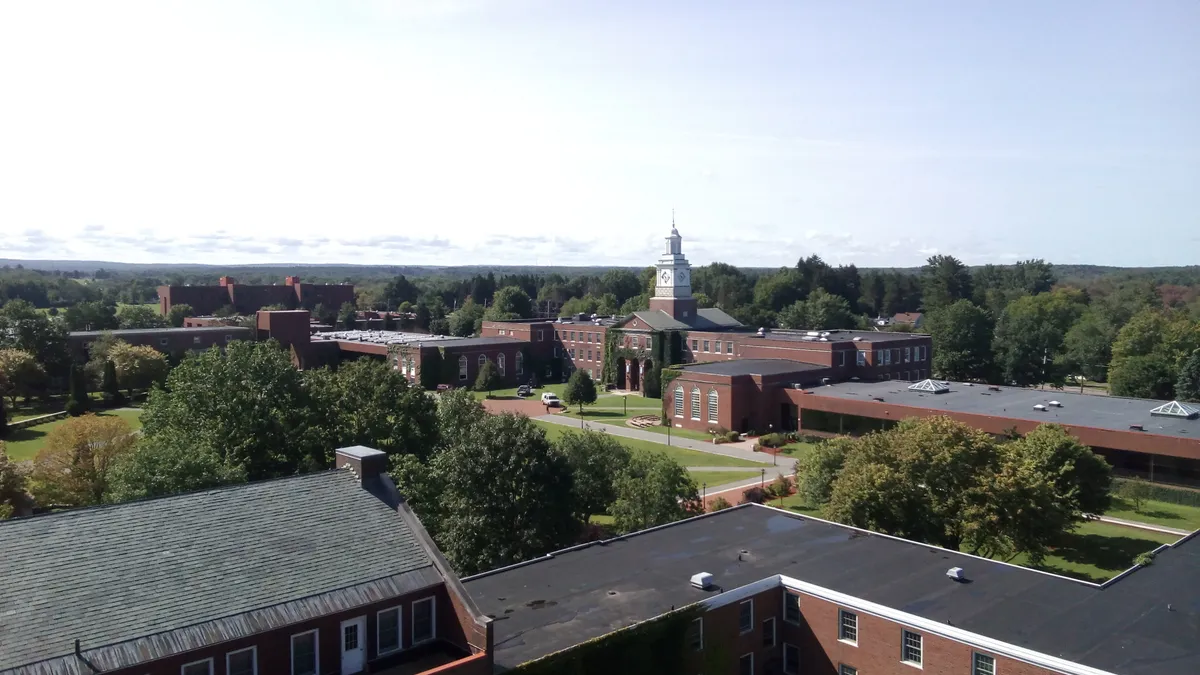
x: 674, y: 232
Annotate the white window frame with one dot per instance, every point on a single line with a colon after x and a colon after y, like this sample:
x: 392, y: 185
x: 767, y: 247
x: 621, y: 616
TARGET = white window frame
x: 774, y: 631
x: 208, y: 662
x: 714, y: 406
x: 717, y: 347
x: 399, y: 610
x: 482, y: 360
x: 907, y: 353
x: 729, y: 346
x: 679, y: 401
x: 539, y: 335
x: 905, y: 634
x: 695, y: 345
x: 750, y: 628
x: 254, y: 658
x: 842, y: 614
x: 790, y: 598
x: 695, y: 404
x: 520, y: 359
x: 887, y: 357
x: 698, y: 621
x: 975, y: 664
x: 463, y: 364
x: 432, y: 622
x: 500, y: 363
x: 790, y: 668
x: 862, y: 358
x: 742, y: 658
x: 706, y: 347
x: 636, y: 342
x: 556, y: 351
x: 842, y: 358
x: 316, y: 633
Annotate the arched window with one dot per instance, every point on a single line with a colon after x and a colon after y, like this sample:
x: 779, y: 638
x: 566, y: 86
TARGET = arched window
x: 462, y: 367
x: 482, y: 360
x: 696, y: 403
x: 500, y: 363
x: 679, y: 401
x: 520, y: 363
x: 712, y: 406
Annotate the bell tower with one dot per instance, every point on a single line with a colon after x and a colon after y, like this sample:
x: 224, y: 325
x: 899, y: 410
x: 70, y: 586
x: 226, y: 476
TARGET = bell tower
x: 673, y: 281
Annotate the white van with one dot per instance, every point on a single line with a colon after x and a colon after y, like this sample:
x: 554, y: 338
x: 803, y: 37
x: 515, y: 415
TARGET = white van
x: 551, y: 400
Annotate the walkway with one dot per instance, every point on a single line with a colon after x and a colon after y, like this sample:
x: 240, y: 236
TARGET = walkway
x: 1142, y: 526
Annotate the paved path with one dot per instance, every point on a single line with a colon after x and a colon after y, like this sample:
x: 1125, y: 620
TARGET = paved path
x: 1142, y: 526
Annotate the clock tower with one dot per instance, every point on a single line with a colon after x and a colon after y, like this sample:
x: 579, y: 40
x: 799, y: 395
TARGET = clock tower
x: 673, y: 283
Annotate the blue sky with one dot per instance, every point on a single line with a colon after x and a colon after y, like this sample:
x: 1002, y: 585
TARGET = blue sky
x: 529, y: 131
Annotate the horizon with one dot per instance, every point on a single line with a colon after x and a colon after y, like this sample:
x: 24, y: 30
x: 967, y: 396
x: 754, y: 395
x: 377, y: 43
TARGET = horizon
x: 488, y: 133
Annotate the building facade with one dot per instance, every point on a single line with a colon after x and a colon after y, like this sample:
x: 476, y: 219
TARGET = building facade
x: 175, y: 342
x: 247, y: 299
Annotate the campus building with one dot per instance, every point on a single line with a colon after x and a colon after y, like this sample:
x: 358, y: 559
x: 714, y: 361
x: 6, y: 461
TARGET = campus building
x: 321, y: 573
x: 754, y: 590
x: 175, y: 342
x: 247, y: 299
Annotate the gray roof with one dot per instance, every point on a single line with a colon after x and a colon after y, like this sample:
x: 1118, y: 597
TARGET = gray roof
x: 736, y: 367
x: 572, y: 596
x: 157, y: 331
x: 705, y: 319
x: 198, y: 568
x: 1084, y: 410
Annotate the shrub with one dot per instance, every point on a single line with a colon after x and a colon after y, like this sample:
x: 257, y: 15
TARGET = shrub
x: 1144, y: 559
x: 732, y: 437
x: 75, y: 408
x: 773, y: 440
x: 779, y: 488
x: 720, y: 504
x: 1161, y: 493
x: 754, y: 495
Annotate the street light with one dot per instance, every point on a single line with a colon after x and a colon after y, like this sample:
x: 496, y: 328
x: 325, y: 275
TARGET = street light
x: 762, y: 482
x: 774, y: 455
x: 704, y: 495
x: 668, y: 433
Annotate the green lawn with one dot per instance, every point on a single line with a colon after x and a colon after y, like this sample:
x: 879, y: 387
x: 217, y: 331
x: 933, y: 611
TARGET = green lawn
x: 684, y: 456
x: 715, y: 478
x: 601, y: 519
x: 1099, y: 551
x: 1157, y: 513
x: 796, y: 449
x: 682, y: 433
x: 23, y: 444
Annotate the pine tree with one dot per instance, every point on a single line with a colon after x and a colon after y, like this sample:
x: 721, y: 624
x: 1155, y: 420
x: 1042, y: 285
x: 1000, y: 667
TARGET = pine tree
x: 110, y: 387
x: 3, y: 419
x: 77, y: 404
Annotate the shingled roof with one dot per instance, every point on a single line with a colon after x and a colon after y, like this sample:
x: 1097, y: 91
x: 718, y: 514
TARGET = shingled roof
x: 141, y: 580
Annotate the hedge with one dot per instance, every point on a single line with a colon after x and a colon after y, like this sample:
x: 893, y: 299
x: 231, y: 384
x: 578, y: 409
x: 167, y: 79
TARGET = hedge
x: 1163, y: 493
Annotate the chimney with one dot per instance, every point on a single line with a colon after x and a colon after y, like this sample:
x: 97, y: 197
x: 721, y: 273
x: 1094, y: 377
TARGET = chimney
x: 227, y: 281
x: 368, y: 464
x: 291, y: 281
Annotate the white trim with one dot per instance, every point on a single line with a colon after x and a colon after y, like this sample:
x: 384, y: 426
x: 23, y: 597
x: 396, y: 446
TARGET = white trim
x: 841, y: 626
x: 399, y: 610
x: 751, y: 628
x: 432, y: 600
x: 774, y: 631
x: 316, y: 633
x: 786, y: 596
x: 795, y: 667
x: 904, y: 633
x: 751, y: 655
x: 208, y: 661
x: 254, y: 653
x: 975, y: 664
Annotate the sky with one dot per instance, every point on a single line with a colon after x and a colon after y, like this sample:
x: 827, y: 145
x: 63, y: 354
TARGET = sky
x: 563, y: 132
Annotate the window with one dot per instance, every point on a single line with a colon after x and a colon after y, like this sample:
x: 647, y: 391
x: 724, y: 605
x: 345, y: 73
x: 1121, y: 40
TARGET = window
x: 242, y: 662
x: 695, y: 345
x: 791, y: 607
x: 911, y: 651
x: 862, y: 358
x: 587, y: 337
x: 589, y: 358
x: 696, y: 634
x: 717, y: 349
x: 387, y: 631
x: 844, y: 669
x: 696, y: 403
x: 572, y: 336
x: 887, y: 376
x: 728, y: 347
x: 197, y: 668
x: 983, y: 665
x: 847, y: 626
x: 549, y: 370
x: 636, y: 342
x: 896, y: 354
x: 304, y: 653
x: 520, y: 359
x: 906, y: 375
x: 746, y: 664
x: 540, y: 335
x: 500, y: 363
x: 423, y: 621
x: 462, y: 367
x: 706, y: 346
x: 557, y: 335
x: 887, y: 357
x: 679, y: 402
x: 746, y: 616
x: 162, y: 341
x: 712, y: 406
x: 768, y: 632
x: 572, y: 352
x: 907, y: 353
x: 791, y: 659
x: 482, y: 360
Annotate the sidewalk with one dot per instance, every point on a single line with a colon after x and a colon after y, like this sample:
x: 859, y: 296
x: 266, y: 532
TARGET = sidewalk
x: 1142, y: 526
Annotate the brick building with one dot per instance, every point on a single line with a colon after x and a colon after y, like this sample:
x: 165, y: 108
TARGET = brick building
x: 793, y: 595
x: 320, y: 573
x: 248, y: 298
x: 173, y: 341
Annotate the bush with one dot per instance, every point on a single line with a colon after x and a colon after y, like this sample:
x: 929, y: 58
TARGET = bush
x: 754, y: 495
x: 732, y: 437
x: 773, y: 440
x: 779, y: 488
x: 75, y: 408
x: 1144, y: 559
x: 720, y: 504
x: 1157, y: 492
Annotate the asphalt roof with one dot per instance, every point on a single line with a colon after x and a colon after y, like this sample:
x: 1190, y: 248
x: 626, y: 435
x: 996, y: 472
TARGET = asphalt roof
x: 156, y: 331
x: 751, y: 367
x: 572, y: 596
x: 1101, y: 412
x: 706, y: 319
x: 111, y: 574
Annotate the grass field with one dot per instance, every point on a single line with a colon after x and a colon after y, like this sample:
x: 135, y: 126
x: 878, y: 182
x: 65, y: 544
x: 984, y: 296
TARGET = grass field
x: 1157, y: 513
x: 23, y: 444
x: 682, y: 433
x: 684, y: 456
x: 715, y: 478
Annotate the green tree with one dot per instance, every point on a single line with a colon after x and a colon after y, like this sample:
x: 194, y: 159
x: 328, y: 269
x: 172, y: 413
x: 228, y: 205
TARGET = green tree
x: 167, y: 465
x: 72, y: 468
x: 944, y: 281
x: 1088, y: 345
x: 95, y: 315
x: 489, y: 378
x: 1142, y: 376
x: 20, y: 374
x: 1136, y: 492
x: 596, y: 459
x: 139, y: 316
x: 1081, y: 478
x: 457, y: 410
x: 510, y: 302
x: 817, y: 470
x: 109, y: 385
x: 1187, y: 385
x: 348, y: 316
x: 821, y: 310
x: 1029, y: 338
x: 180, y: 312
x: 138, y: 366
x: 653, y: 490
x: 247, y: 403
x: 468, y: 320
x: 720, y: 504
x: 12, y: 485
x: 498, y: 494
x: 324, y: 314
x: 1150, y: 350
x: 962, y: 341
x: 580, y: 390
x: 77, y: 401
x: 24, y: 328
x: 3, y: 419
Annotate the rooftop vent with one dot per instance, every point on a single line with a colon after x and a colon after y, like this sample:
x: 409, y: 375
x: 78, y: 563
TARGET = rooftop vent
x: 762, y: 332
x: 1177, y: 409
x: 857, y: 338
x: 1137, y: 427
x: 993, y: 388
x: 1055, y: 404
x: 930, y: 386
x: 813, y: 333
x: 956, y: 573
x: 877, y: 398
x: 703, y: 581
x: 1039, y: 406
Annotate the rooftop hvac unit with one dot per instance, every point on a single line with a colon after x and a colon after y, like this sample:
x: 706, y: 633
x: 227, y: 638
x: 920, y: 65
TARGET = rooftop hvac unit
x: 956, y: 573
x: 993, y: 388
x: 813, y: 333
x: 824, y: 380
x: 703, y: 581
x: 1137, y: 427
x: 1039, y: 406
x: 857, y: 338
x: 1056, y: 404
x: 797, y: 385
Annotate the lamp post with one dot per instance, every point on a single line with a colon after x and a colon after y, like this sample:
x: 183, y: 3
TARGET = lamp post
x: 762, y: 482
x: 704, y: 496
x: 774, y: 455
x: 668, y: 433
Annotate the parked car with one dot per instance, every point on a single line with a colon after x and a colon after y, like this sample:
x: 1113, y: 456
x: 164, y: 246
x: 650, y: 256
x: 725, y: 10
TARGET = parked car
x: 551, y: 400
x: 524, y: 390
x: 445, y: 387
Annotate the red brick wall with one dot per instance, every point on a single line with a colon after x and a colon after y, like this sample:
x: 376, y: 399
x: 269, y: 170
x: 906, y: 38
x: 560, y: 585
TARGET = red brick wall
x: 724, y: 644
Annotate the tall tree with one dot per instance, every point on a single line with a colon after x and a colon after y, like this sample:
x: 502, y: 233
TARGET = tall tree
x: 467, y: 320
x: 1149, y: 351
x: 12, y: 485
x: 138, y: 366
x: 23, y: 327
x: 72, y: 468
x: 167, y: 465
x: 1187, y: 385
x: 1029, y: 338
x: 96, y: 315
x: 139, y: 316
x: 180, y: 312
x: 817, y: 470
x: 109, y: 385
x: 510, y: 302
x: 944, y: 281
x: 77, y: 401
x: 596, y: 459
x: 580, y: 390
x: 653, y: 490
x: 348, y: 316
x: 488, y: 378
x: 20, y: 374
x: 1088, y: 345
x: 962, y: 341
x: 821, y: 310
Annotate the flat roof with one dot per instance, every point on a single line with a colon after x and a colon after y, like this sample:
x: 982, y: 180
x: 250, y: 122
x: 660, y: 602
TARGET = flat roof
x: 1085, y: 410
x: 751, y: 367
x: 155, y: 331
x: 579, y: 594
x: 389, y: 337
